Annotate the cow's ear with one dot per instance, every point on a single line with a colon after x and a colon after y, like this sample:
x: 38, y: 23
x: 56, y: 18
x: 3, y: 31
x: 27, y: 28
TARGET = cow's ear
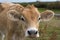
x: 13, y: 15
x: 47, y: 15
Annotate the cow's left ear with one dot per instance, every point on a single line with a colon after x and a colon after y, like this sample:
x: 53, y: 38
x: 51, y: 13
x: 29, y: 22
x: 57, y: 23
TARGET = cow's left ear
x: 47, y: 15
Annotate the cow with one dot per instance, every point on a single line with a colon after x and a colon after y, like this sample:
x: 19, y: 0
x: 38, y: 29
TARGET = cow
x: 18, y: 22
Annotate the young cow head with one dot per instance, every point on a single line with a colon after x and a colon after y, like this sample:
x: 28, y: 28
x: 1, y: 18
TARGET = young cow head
x: 29, y: 17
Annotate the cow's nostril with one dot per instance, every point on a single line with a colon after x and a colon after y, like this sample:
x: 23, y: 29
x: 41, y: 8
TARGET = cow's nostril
x: 32, y: 32
x: 36, y: 32
x: 29, y: 32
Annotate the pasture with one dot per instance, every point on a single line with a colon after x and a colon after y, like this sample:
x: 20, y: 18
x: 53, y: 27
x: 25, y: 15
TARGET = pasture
x: 57, y: 11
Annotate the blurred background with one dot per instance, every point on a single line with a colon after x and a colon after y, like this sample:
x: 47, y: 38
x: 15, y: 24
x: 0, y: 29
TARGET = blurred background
x: 48, y: 30
x: 40, y: 4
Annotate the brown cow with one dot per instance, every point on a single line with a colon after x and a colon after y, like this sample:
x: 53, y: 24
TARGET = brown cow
x: 18, y: 22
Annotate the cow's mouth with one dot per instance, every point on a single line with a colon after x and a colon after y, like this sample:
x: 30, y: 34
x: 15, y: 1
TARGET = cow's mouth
x: 32, y: 36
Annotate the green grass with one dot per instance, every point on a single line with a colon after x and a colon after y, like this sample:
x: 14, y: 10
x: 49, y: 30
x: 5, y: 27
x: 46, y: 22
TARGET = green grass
x: 53, y: 26
x: 55, y: 10
x: 41, y: 9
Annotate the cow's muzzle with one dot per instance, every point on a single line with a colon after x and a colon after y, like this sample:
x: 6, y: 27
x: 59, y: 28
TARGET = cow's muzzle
x: 32, y: 32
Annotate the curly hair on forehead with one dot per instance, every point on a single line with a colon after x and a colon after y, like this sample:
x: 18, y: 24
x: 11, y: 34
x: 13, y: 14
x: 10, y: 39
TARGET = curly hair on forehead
x: 30, y: 6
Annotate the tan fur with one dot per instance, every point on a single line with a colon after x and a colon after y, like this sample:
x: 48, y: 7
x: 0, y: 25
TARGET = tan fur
x: 6, y: 25
x: 3, y: 6
x: 10, y: 27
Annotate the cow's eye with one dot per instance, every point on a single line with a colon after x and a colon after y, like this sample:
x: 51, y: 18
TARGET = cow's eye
x: 22, y: 18
x: 39, y: 18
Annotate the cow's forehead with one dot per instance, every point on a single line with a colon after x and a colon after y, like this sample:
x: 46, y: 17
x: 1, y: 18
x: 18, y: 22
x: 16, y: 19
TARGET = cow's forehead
x: 28, y: 12
x: 31, y: 13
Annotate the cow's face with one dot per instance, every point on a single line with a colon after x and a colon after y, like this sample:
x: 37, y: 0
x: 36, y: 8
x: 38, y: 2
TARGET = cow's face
x: 29, y: 18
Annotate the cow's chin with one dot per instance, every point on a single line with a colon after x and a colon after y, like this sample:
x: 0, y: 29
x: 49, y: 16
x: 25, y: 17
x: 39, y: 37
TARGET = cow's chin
x: 32, y: 36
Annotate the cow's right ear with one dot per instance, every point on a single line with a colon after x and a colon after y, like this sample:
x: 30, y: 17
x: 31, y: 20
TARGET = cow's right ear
x: 47, y: 15
x: 13, y: 15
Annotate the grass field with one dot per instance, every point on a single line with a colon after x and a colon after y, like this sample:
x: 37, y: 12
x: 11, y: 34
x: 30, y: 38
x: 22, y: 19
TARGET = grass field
x: 55, y: 10
x: 52, y: 29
